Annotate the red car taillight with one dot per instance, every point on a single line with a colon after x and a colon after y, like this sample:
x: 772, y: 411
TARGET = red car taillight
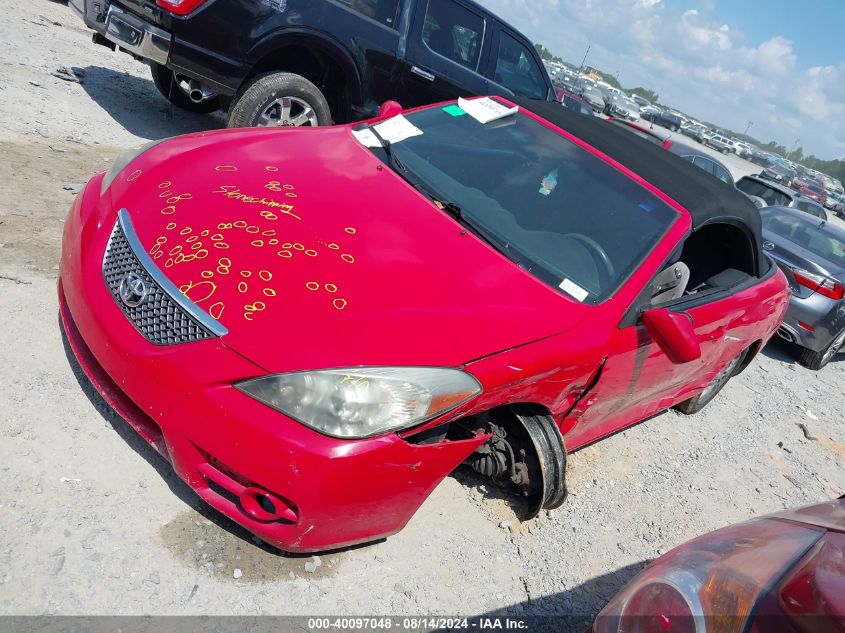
x: 819, y: 283
x: 811, y: 595
x: 710, y: 584
x: 180, y: 7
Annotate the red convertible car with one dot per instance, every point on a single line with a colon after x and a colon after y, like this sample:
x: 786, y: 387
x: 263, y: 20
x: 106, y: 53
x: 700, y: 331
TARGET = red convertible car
x: 782, y: 573
x: 315, y: 327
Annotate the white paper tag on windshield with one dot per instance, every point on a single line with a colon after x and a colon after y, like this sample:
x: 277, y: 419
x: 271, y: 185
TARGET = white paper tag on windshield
x: 366, y: 138
x: 485, y: 110
x: 397, y: 129
x: 571, y: 288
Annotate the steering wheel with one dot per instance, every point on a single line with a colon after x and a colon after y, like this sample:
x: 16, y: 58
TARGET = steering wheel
x: 596, y: 250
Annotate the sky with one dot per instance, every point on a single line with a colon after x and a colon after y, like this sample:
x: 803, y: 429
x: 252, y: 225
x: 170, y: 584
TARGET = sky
x: 779, y: 64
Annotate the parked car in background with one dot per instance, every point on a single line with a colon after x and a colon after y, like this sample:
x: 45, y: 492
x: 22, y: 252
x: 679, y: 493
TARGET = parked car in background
x: 591, y: 94
x: 836, y: 203
x: 807, y: 205
x: 311, y: 62
x: 719, y: 143
x: 811, y: 253
x: 572, y: 101
x: 758, y: 157
x: 812, y: 190
x: 642, y: 102
x: 780, y: 573
x: 779, y: 172
x: 740, y: 147
x: 773, y: 193
x: 704, y: 161
x: 694, y: 131
x: 621, y: 107
x: 663, y: 118
x: 290, y: 431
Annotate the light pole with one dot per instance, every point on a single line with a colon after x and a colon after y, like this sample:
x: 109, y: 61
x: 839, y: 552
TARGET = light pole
x: 748, y: 127
x: 581, y: 67
x: 794, y: 145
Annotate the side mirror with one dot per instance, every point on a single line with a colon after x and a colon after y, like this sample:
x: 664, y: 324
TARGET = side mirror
x: 389, y: 109
x: 674, y: 334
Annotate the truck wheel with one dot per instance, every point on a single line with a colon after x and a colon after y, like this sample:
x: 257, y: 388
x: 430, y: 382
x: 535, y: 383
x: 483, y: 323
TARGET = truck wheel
x: 696, y: 404
x: 166, y: 84
x: 279, y: 99
x: 816, y: 360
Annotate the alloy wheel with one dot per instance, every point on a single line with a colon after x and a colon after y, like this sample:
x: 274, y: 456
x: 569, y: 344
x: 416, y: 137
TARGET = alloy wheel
x: 288, y: 112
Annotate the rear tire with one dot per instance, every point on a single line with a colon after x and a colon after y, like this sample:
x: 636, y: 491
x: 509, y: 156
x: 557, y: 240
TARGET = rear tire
x: 166, y: 83
x: 278, y: 99
x: 697, y: 403
x: 816, y: 360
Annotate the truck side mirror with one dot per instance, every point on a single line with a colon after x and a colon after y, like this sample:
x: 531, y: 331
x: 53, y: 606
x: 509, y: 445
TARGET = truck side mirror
x: 389, y: 109
x: 674, y: 334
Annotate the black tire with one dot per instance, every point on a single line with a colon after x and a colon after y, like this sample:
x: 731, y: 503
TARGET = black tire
x: 816, y: 360
x: 697, y: 403
x: 260, y: 94
x: 725, y: 151
x: 166, y: 83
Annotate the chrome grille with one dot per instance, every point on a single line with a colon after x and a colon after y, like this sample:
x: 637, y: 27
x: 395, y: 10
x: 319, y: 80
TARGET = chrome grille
x: 160, y: 318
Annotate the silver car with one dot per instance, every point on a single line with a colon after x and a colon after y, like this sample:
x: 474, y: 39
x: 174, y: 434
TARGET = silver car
x: 811, y: 253
x: 719, y: 143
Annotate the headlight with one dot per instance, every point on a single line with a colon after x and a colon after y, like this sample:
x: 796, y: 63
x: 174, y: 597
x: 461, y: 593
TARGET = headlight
x: 123, y: 160
x: 362, y: 402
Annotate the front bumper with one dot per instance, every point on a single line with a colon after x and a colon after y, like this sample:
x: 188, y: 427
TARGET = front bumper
x: 226, y: 446
x: 126, y: 30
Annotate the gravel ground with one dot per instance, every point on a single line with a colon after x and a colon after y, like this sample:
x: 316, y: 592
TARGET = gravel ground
x: 94, y: 522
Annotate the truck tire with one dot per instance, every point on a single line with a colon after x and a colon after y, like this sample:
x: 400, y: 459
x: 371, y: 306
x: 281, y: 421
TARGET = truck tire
x: 279, y: 99
x: 697, y: 403
x: 166, y: 84
x: 816, y: 360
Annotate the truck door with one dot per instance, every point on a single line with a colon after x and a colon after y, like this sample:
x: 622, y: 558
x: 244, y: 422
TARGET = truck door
x: 447, y: 44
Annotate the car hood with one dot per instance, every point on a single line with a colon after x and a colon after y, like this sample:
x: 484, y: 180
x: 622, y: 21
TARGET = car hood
x: 314, y: 254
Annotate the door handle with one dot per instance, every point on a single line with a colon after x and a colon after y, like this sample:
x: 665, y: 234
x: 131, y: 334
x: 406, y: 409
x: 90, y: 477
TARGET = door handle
x: 769, y: 246
x: 419, y: 72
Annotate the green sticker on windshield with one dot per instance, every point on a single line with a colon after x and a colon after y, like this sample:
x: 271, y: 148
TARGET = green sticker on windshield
x: 454, y: 110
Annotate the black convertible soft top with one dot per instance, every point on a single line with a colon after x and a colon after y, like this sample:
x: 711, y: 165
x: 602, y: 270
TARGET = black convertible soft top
x: 707, y: 198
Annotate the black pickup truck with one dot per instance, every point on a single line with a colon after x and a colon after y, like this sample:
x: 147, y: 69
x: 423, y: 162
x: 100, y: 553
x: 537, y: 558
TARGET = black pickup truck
x: 311, y: 62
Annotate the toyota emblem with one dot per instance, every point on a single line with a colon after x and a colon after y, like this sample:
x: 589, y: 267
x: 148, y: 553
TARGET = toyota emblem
x: 133, y: 290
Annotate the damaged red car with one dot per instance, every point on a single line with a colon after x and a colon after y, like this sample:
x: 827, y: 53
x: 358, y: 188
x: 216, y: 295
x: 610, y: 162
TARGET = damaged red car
x: 315, y: 327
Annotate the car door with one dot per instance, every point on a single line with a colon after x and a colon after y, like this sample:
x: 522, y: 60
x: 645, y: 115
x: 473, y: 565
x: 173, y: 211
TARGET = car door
x: 447, y: 44
x: 639, y: 379
x: 514, y: 67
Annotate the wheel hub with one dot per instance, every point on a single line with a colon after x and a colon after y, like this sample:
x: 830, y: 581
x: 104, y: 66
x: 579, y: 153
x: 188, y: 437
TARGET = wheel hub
x: 288, y: 112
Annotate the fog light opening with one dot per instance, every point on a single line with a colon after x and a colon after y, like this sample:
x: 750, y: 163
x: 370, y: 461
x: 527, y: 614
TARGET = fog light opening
x: 262, y: 505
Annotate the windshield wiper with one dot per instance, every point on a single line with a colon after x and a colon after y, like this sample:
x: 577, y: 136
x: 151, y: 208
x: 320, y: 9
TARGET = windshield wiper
x: 457, y: 212
x: 440, y: 202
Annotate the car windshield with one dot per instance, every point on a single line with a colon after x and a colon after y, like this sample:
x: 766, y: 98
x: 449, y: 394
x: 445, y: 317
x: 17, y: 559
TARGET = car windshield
x: 552, y: 207
x: 819, y: 238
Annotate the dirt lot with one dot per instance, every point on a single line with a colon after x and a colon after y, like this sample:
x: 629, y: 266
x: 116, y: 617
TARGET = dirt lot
x: 94, y: 522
